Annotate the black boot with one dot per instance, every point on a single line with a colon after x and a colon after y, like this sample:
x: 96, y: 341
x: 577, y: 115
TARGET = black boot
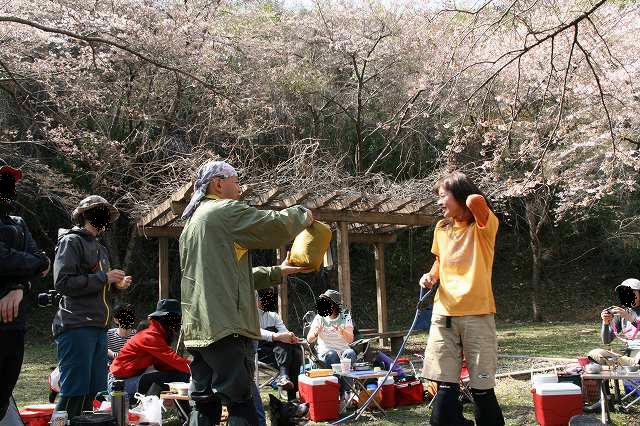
x: 207, y: 411
x: 487, y: 411
x: 596, y: 407
x: 75, y: 405
x: 447, y: 408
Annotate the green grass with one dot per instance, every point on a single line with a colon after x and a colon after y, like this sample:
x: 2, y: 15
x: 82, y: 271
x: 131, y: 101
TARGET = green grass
x: 544, y: 339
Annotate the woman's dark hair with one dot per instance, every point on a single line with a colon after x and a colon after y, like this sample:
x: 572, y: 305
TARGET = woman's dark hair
x: 125, y: 314
x: 143, y: 325
x: 460, y: 186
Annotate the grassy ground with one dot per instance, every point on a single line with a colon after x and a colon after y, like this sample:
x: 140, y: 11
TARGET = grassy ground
x: 545, y: 339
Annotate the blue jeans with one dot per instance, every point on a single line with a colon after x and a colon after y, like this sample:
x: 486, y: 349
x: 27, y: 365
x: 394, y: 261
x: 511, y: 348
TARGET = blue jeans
x: 82, y: 358
x: 332, y: 357
x: 257, y: 401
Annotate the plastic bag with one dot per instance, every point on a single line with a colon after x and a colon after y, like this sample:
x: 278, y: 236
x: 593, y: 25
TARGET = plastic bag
x: 149, y: 409
x: 310, y: 245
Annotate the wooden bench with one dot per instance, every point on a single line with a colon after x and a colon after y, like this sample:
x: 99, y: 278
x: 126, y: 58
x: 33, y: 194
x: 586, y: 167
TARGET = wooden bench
x: 395, y: 337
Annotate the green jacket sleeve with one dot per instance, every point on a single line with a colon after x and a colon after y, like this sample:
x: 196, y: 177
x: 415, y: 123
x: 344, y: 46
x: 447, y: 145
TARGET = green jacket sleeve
x: 265, y: 229
x: 264, y: 276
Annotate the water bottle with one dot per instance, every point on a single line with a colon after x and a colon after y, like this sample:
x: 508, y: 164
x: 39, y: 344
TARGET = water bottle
x: 120, y: 403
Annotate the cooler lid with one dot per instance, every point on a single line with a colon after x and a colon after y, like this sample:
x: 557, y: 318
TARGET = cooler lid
x: 562, y: 388
x: 316, y: 381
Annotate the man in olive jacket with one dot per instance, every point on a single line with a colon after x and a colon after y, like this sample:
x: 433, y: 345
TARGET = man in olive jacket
x: 219, y: 312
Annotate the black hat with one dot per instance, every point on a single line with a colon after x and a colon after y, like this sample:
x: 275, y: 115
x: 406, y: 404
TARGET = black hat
x: 166, y: 306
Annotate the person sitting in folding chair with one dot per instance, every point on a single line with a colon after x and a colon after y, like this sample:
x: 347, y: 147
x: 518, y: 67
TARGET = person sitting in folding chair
x: 622, y: 322
x: 333, y: 328
x: 278, y: 346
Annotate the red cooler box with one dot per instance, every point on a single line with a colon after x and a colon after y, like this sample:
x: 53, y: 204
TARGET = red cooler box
x: 556, y: 403
x: 409, y: 392
x: 388, y: 392
x: 322, y: 395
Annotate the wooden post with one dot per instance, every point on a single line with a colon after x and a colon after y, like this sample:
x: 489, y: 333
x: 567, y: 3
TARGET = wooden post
x: 381, y: 290
x: 344, y: 267
x: 283, y: 290
x: 163, y: 272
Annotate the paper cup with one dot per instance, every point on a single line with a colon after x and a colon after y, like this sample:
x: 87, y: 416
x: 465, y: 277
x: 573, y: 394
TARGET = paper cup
x: 345, y: 364
x: 337, y: 368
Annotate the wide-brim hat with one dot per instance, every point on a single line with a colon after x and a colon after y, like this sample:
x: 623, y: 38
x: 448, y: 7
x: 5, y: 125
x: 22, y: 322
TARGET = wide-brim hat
x: 16, y: 173
x: 632, y: 283
x: 165, y: 307
x: 94, y: 201
x: 333, y: 296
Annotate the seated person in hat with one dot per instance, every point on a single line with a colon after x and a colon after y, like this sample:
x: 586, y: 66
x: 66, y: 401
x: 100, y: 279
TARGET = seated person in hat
x: 278, y: 346
x: 622, y: 322
x: 332, y: 327
x: 147, y: 358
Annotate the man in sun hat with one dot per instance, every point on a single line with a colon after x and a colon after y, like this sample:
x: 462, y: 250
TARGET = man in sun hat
x: 83, y: 276
x: 220, y: 316
x: 20, y: 261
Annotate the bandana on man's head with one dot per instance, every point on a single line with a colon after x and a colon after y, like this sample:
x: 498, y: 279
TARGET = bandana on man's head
x: 206, y: 173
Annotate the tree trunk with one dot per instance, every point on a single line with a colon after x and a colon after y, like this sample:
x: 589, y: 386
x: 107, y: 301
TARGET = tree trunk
x: 536, y: 268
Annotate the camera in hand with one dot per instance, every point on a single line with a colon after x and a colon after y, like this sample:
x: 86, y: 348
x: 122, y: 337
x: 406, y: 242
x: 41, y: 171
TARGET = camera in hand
x: 50, y: 298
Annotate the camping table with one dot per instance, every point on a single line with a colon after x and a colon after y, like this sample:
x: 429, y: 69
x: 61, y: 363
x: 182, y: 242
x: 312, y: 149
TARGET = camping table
x: 166, y: 396
x: 605, y: 376
x: 359, y: 379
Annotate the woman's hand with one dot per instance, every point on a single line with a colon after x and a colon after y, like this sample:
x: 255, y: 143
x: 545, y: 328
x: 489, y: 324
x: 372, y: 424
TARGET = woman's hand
x: 428, y: 280
x: 615, y: 310
x: 606, y: 316
x: 115, y: 276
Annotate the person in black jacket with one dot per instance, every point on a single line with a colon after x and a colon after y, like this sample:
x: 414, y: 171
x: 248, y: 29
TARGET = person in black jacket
x: 20, y: 261
x: 83, y: 276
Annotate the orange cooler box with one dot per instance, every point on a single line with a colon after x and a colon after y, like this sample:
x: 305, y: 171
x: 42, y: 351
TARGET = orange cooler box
x: 556, y: 403
x: 322, y: 395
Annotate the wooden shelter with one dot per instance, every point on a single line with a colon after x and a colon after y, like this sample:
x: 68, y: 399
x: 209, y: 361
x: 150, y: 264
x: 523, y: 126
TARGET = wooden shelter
x: 357, y: 218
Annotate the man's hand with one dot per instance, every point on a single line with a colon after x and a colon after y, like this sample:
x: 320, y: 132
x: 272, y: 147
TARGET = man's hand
x: 428, y: 280
x: 125, y: 283
x: 10, y: 304
x: 115, y: 276
x: 287, y: 269
x: 285, y: 337
x: 606, y: 316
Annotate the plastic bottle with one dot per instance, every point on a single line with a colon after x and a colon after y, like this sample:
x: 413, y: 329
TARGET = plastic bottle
x: 120, y: 403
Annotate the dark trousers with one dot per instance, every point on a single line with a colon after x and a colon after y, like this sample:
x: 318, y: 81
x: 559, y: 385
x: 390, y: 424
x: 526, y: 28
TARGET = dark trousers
x: 11, y: 355
x: 282, y: 356
x: 159, y: 378
x: 227, y: 366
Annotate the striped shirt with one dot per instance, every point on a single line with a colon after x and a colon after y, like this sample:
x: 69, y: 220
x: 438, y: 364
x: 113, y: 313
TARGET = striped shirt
x: 115, y: 342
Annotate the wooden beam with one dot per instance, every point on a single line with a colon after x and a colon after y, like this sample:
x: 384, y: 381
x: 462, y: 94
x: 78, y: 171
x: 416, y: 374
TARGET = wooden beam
x: 344, y: 203
x: 283, y: 290
x: 381, y: 289
x: 373, y: 217
x: 163, y: 265
x: 395, y: 204
x: 183, y: 192
x: 160, y: 231
x: 266, y: 197
x: 318, y: 202
x: 356, y: 238
x: 296, y: 198
x: 344, y: 268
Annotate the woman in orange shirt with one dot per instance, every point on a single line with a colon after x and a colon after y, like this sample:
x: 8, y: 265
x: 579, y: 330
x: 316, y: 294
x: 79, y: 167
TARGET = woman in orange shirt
x: 462, y: 325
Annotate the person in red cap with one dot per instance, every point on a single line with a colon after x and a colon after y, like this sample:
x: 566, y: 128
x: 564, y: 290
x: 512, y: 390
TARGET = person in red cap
x: 21, y: 261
